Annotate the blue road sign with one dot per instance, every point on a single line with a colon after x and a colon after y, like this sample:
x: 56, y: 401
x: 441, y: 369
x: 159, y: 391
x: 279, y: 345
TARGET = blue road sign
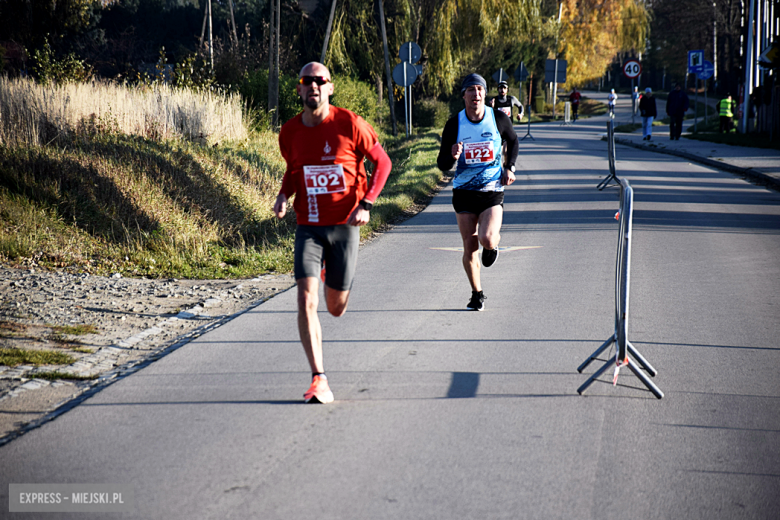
x: 404, y: 74
x: 410, y: 52
x: 500, y: 75
x: 695, y: 61
x: 707, y: 70
x: 521, y: 73
x: 549, y: 71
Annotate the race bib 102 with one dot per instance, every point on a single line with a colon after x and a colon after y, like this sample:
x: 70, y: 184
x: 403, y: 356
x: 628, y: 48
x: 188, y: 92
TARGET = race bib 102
x: 481, y: 152
x: 328, y: 178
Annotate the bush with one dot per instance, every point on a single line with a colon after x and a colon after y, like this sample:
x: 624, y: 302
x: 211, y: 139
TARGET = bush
x: 254, y: 90
x: 70, y: 69
x: 356, y: 96
x: 349, y: 93
x: 430, y: 113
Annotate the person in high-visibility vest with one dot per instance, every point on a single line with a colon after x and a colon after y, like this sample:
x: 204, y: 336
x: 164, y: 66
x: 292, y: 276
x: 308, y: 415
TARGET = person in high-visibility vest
x: 726, y: 108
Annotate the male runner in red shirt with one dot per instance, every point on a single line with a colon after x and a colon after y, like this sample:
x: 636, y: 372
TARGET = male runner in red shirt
x: 324, y: 147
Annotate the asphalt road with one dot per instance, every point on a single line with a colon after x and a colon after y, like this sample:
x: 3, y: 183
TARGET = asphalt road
x: 445, y: 413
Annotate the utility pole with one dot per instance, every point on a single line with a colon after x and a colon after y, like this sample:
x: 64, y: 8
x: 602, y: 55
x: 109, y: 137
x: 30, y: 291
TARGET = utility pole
x: 715, y: 43
x: 327, y: 32
x: 233, y: 19
x: 273, y: 62
x: 207, y: 17
x: 555, y: 79
x: 211, y: 42
x: 749, y: 60
x: 390, y: 96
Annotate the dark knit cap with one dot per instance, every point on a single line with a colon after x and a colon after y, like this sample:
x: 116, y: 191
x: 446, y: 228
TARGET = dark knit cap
x: 472, y: 79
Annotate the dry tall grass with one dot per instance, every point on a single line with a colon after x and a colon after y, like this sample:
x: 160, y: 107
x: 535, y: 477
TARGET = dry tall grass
x: 37, y: 115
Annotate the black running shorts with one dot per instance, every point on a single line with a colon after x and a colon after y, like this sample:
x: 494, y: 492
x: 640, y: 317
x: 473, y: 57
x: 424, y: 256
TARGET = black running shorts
x: 470, y: 201
x: 336, y: 245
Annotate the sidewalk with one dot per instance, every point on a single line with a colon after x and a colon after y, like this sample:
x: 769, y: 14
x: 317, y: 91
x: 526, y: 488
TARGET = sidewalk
x: 759, y: 164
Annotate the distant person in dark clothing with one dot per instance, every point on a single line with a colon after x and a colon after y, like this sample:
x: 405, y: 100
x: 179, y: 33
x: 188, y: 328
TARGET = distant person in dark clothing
x: 676, y: 106
x: 574, y: 99
x: 648, y: 112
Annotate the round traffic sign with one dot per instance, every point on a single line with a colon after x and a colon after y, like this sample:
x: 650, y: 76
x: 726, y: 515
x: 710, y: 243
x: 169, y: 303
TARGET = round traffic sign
x: 404, y: 74
x: 707, y: 70
x: 410, y: 52
x: 632, y: 69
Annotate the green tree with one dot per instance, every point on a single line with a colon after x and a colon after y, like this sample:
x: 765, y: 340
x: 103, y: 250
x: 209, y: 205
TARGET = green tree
x: 455, y: 36
x: 31, y: 22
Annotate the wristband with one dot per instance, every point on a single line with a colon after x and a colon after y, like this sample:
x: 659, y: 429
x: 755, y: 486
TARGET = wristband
x: 366, y: 205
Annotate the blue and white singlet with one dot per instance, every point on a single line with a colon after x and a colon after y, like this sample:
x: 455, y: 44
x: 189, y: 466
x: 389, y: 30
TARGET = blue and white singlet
x: 479, y: 165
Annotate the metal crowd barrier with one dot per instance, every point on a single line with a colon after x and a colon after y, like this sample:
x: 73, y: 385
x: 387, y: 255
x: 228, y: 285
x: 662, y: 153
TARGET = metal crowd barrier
x: 612, y: 177
x: 625, y: 350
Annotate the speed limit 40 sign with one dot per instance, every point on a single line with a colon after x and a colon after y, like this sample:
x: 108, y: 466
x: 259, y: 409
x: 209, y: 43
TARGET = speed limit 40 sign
x: 632, y: 69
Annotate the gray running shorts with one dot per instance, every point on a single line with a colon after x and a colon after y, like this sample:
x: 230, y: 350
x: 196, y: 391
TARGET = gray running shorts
x: 337, y: 246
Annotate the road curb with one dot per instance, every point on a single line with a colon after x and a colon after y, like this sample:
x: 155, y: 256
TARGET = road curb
x: 749, y: 173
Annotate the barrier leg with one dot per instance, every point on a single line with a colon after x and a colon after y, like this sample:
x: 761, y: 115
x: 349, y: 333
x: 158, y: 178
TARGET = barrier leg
x: 633, y: 367
x: 648, y: 383
x: 595, y: 376
x: 593, y: 356
x: 603, y: 184
x: 642, y: 361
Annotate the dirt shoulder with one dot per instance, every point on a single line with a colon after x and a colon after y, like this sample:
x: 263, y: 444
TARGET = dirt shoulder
x: 107, y: 326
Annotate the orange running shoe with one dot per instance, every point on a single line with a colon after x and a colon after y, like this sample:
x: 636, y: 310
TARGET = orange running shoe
x: 319, y: 391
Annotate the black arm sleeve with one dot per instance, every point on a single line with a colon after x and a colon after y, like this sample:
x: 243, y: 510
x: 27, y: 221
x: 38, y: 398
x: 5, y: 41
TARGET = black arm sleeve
x: 508, y: 135
x: 449, y: 137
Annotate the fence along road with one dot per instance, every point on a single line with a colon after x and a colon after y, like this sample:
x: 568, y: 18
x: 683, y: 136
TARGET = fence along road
x: 444, y: 413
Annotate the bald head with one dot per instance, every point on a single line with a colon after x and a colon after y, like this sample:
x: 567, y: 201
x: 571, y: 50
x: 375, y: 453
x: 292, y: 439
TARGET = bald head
x: 314, y: 68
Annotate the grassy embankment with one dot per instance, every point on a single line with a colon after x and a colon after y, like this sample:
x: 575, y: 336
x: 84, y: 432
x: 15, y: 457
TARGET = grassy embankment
x: 157, y: 182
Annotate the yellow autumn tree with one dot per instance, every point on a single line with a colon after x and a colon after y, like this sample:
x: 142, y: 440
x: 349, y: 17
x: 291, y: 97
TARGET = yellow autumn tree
x: 594, y: 32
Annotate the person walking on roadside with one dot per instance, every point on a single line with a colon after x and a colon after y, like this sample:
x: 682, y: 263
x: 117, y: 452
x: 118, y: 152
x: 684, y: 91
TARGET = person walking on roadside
x: 574, y: 99
x: 324, y: 147
x: 726, y: 109
x: 611, y: 100
x: 504, y: 103
x: 474, y: 140
x: 648, y: 112
x: 635, y: 101
x: 676, y: 105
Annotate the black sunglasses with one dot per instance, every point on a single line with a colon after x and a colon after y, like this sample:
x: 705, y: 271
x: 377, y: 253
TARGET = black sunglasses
x: 308, y: 80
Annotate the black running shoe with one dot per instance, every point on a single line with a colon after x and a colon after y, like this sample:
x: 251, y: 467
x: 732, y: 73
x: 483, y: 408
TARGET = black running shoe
x: 489, y: 257
x: 477, y: 302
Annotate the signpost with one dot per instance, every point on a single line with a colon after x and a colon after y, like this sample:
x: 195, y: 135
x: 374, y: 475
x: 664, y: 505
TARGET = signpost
x: 555, y: 72
x: 695, y: 67
x: 707, y: 71
x: 405, y: 73
x: 632, y: 69
x: 521, y: 74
